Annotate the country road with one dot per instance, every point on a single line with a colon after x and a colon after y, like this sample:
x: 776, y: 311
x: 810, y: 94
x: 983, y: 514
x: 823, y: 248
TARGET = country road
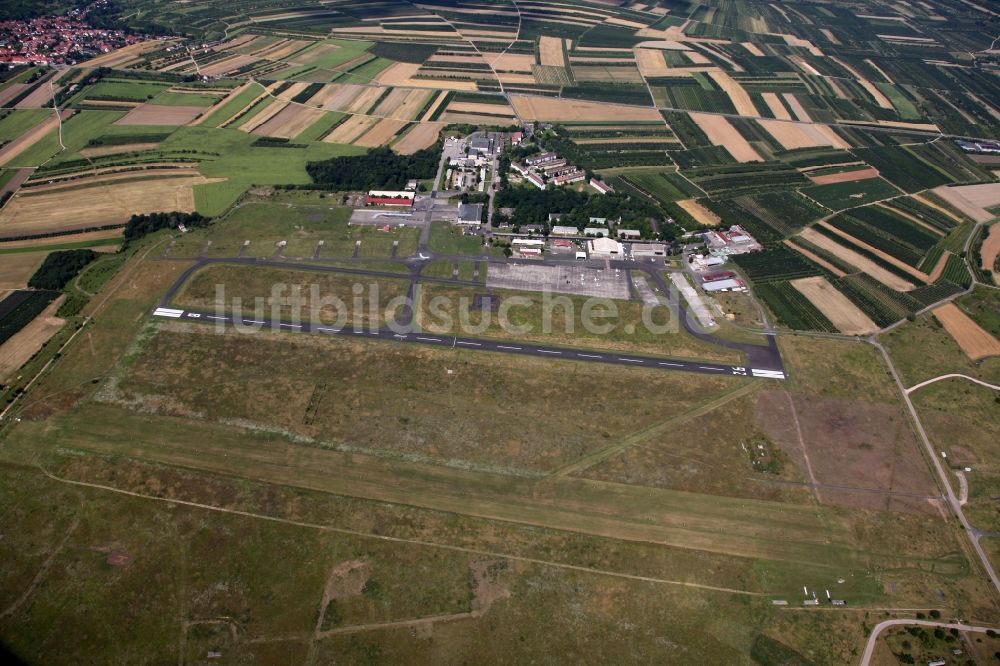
x: 873, y: 639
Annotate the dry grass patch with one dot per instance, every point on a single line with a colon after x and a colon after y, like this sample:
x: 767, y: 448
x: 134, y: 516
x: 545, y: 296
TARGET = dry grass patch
x: 101, y: 151
x: 350, y: 129
x: 970, y: 336
x: 741, y: 100
x: 546, y: 108
x: 845, y: 176
x: 991, y: 249
x: 701, y: 214
x: 423, y: 135
x: 881, y: 254
x: 381, y: 134
x: 777, y: 108
x: 801, y: 135
x: 841, y: 312
x: 796, y: 106
x: 550, y: 52
x: 17, y: 350
x: 753, y: 49
x: 98, y: 204
x: 16, y: 268
x: 721, y: 133
x: 155, y: 114
x: 289, y: 122
x: 972, y: 200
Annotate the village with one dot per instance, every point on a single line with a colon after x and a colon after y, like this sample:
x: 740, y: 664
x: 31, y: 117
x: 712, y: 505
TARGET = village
x: 60, y: 40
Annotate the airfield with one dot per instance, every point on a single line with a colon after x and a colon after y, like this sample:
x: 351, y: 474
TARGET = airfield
x: 358, y: 461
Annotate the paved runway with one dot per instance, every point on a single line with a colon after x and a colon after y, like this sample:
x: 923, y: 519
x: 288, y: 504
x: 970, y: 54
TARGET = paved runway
x: 504, y: 347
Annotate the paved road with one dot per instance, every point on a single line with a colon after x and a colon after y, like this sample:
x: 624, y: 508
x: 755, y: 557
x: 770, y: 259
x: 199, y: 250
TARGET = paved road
x: 873, y: 639
x: 453, y: 342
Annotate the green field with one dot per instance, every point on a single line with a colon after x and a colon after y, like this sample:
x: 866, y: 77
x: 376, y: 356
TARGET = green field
x: 839, y: 196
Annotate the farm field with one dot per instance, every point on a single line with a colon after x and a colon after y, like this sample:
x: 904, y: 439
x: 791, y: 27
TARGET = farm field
x: 502, y: 481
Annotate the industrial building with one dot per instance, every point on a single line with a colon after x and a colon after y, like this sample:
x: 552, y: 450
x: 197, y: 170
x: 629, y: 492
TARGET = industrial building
x: 596, y: 231
x: 645, y: 250
x: 535, y: 180
x: 470, y: 213
x: 572, y: 177
x: 724, y: 285
x: 601, y: 186
x: 605, y: 248
x: 541, y: 158
x: 561, y: 230
x: 734, y: 241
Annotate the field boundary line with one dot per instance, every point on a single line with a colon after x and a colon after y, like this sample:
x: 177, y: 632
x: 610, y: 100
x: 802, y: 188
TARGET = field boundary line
x: 950, y: 376
x: 393, y: 539
x: 650, y: 431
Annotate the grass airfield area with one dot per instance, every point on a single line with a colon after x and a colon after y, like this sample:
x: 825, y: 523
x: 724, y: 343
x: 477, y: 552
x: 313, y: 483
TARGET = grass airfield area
x: 384, y: 459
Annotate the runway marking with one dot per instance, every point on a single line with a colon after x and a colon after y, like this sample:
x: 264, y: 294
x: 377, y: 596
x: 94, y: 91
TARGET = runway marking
x: 252, y: 321
x: 217, y: 318
x: 470, y: 344
x: 289, y: 325
x: 705, y: 367
x: 548, y: 351
x: 167, y: 312
x: 630, y: 360
x: 506, y: 347
x: 429, y: 339
x: 589, y: 355
x: 674, y: 365
x: 333, y: 330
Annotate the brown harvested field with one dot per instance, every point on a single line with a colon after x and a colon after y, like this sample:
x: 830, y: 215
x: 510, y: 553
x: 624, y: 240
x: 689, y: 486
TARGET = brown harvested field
x: 489, y: 109
x: 227, y: 65
x: 435, y: 105
x: 841, y: 312
x: 939, y: 267
x: 857, y: 260
x: 804, y: 66
x: 741, y: 100
x: 282, y: 49
x: 777, y: 108
x: 796, y: 106
x: 421, y: 136
x: 972, y: 200
x: 39, y: 97
x: 846, y: 176
x: 111, y: 235
x: 336, y: 96
x: 22, y: 143
x: 122, y: 55
x: 815, y: 258
x: 101, y: 151
x: 970, y: 336
x: 517, y: 79
x: 97, y: 204
x: 794, y: 135
x: 16, y: 180
x: 884, y: 256
x: 399, y: 74
x: 651, y: 62
x: 291, y: 91
x: 614, y: 74
x: 792, y: 40
x: 701, y: 214
x: 17, y: 350
x: 349, y: 130
x: 364, y: 101
x: 829, y: 35
x: 290, y: 122
x: 381, y: 134
x: 697, y: 57
x: 991, y: 249
x: 155, y: 114
x: 938, y: 207
x: 477, y: 119
x: 550, y: 51
x: 547, y: 108
x: 721, y: 133
x: 405, y: 106
x: 273, y: 109
x: 16, y: 268
x: 12, y: 91
x: 511, y: 62
x: 753, y: 49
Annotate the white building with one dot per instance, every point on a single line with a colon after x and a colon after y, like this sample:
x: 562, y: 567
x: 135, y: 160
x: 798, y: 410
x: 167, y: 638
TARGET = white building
x: 596, y: 231
x: 642, y: 250
x: 560, y: 230
x: 535, y: 180
x: 601, y: 186
x: 605, y: 248
x: 629, y: 233
x: 724, y: 285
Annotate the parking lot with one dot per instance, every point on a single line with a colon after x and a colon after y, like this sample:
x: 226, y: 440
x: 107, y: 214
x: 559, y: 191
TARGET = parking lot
x: 579, y: 280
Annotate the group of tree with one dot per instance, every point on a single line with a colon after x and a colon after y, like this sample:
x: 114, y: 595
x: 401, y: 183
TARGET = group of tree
x: 141, y: 225
x: 378, y: 169
x: 533, y: 206
x: 59, y: 268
